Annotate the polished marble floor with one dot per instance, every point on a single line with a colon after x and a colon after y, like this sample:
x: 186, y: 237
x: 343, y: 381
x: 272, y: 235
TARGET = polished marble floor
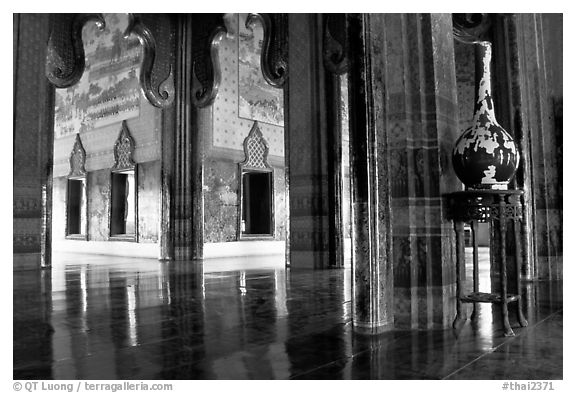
x: 92, y: 317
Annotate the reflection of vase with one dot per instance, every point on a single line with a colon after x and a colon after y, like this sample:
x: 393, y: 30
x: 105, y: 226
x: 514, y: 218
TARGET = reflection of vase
x: 485, y: 155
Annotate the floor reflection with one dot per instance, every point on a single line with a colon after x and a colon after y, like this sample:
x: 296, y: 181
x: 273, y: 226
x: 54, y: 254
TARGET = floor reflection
x: 120, y: 318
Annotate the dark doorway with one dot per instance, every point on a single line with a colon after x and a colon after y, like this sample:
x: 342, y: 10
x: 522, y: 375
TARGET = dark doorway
x: 123, y: 204
x: 257, y: 200
x: 76, y: 207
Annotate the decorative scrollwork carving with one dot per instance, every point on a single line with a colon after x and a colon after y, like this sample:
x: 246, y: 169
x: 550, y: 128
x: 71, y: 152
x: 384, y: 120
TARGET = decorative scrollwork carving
x: 255, y: 150
x: 163, y: 95
x: 124, y: 150
x: 335, y: 44
x: 513, y: 212
x: 471, y: 28
x: 65, y: 59
x: 274, y: 57
x: 203, y: 94
x: 77, y: 159
x: 510, y: 212
x: 208, y: 31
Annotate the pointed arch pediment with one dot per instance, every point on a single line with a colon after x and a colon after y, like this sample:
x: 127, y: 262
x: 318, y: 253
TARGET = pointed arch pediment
x: 124, y: 150
x: 255, y: 150
x: 77, y: 159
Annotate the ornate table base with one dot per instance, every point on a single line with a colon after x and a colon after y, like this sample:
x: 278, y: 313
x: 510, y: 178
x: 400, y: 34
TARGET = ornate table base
x: 494, y: 206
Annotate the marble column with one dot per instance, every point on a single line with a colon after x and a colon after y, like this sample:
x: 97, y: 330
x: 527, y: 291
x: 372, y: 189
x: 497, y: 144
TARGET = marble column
x: 33, y: 140
x: 404, y: 121
x: 372, y: 263
x: 311, y: 226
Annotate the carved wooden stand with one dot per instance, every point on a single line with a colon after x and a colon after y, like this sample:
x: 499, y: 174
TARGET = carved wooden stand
x: 494, y: 206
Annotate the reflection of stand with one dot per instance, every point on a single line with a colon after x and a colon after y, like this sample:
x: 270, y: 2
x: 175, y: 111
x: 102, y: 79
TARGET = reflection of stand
x: 492, y: 206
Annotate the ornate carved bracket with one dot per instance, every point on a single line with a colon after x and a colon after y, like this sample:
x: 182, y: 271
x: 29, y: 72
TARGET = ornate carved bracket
x: 335, y: 44
x: 124, y: 150
x: 77, y: 159
x: 160, y: 94
x: 255, y: 150
x: 471, y: 28
x: 274, y: 57
x: 208, y: 30
x: 65, y: 59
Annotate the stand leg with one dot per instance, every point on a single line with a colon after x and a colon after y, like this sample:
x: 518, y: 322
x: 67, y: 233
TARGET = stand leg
x: 460, y: 312
x: 503, y: 278
x: 523, y: 322
x: 475, y: 279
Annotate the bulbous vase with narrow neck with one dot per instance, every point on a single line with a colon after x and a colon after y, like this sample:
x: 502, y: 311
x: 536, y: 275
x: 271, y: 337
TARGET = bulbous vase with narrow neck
x: 485, y: 156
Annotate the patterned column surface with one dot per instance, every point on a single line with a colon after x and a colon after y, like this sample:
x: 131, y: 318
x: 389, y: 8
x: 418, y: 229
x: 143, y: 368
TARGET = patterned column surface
x: 188, y: 218
x: 307, y: 151
x: 422, y: 117
x: 539, y: 111
x: 29, y: 169
x: 410, y: 63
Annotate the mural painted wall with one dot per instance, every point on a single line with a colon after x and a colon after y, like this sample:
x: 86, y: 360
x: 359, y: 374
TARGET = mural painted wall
x: 109, y: 90
x: 107, y: 93
x: 229, y: 128
x: 257, y: 100
x: 244, y: 96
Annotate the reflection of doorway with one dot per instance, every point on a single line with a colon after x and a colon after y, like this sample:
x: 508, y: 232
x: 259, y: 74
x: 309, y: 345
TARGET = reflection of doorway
x: 257, y: 217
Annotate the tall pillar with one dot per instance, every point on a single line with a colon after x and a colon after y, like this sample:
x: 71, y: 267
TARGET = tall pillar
x: 532, y: 46
x: 308, y: 150
x: 163, y: 28
x: 422, y: 119
x: 32, y: 161
x: 188, y: 226
x: 404, y: 123
x: 372, y: 264
x: 197, y: 81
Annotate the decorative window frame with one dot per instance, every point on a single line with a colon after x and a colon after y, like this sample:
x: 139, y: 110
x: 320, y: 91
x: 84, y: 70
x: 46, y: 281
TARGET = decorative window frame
x: 124, y: 148
x: 256, y: 151
x: 77, y: 172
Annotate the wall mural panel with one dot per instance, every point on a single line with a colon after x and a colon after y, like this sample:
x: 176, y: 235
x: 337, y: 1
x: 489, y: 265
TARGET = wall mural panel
x: 257, y: 100
x: 229, y: 128
x: 109, y: 89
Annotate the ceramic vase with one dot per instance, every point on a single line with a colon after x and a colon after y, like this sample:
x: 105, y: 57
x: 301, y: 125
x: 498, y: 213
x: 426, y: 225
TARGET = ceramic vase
x: 485, y: 155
